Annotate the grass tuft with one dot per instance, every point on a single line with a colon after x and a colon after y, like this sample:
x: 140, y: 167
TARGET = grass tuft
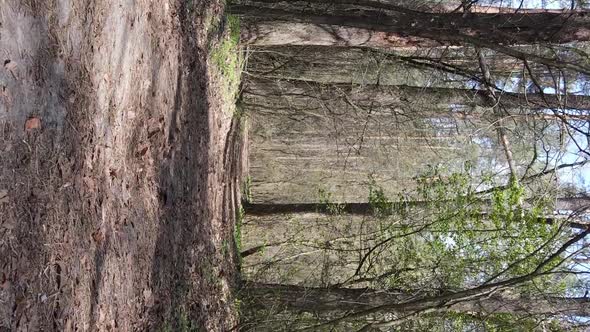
x: 246, y: 189
x: 228, y: 59
x: 240, y: 213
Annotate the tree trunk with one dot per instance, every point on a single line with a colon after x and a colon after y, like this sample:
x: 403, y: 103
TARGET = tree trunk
x: 427, y: 101
x: 562, y: 204
x: 323, y: 300
x: 337, y: 65
x: 282, y: 33
x: 444, y: 67
x: 352, y: 23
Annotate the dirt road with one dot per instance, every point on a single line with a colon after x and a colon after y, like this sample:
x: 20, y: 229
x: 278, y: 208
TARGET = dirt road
x: 117, y: 168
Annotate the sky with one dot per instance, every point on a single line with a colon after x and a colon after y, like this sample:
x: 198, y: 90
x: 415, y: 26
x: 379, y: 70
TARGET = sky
x: 548, y: 4
x: 580, y: 176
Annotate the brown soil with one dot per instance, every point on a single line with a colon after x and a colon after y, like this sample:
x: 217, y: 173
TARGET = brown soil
x: 118, y: 168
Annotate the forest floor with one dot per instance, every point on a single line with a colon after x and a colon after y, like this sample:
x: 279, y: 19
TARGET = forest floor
x: 120, y: 166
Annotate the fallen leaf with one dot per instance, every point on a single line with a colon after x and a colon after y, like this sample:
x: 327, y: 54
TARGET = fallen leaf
x: 98, y: 237
x: 142, y: 150
x: 10, y: 65
x: 8, y: 226
x: 3, y: 196
x: 153, y: 127
x: 147, y: 294
x: 89, y: 182
x: 5, y: 284
x: 32, y: 123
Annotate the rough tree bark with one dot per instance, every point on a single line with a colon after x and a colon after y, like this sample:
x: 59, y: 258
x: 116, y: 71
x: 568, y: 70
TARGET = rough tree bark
x: 322, y: 300
x: 444, y: 67
x: 354, y: 23
x: 432, y: 101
